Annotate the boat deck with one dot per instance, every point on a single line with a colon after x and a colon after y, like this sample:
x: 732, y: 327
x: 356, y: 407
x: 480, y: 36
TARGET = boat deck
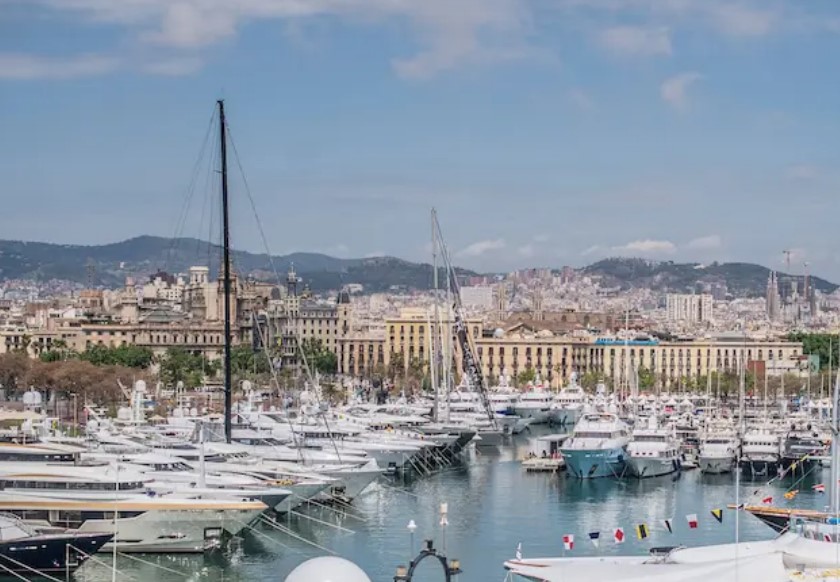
x: 540, y: 465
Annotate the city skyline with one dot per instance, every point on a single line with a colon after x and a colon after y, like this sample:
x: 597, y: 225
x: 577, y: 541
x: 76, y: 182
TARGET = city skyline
x: 545, y: 133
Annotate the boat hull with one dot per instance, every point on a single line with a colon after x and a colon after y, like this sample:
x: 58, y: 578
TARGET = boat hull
x: 712, y: 465
x: 594, y: 464
x: 50, y: 553
x: 643, y: 467
x: 759, y: 467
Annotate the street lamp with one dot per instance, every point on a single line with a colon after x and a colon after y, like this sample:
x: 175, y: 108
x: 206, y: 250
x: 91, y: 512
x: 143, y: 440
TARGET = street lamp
x: 451, y: 568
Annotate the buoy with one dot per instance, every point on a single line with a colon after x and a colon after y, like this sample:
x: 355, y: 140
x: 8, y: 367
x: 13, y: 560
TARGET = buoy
x: 327, y: 569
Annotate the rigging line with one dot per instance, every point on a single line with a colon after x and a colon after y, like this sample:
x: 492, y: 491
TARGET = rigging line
x: 13, y: 573
x: 95, y: 560
x: 164, y: 568
x: 30, y: 568
x: 182, y: 217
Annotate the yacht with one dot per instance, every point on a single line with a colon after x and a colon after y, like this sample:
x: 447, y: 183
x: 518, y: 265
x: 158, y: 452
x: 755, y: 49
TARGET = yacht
x: 597, y: 447
x: 760, y: 451
x: 47, y: 496
x: 801, y: 447
x: 567, y: 405
x: 535, y: 405
x: 653, y: 451
x: 718, y: 449
x: 25, y: 551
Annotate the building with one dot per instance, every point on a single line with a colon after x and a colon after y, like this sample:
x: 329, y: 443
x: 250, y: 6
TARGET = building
x: 774, y: 300
x: 478, y: 296
x: 689, y: 308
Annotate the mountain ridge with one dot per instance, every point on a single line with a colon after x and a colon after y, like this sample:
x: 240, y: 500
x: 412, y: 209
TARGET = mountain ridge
x: 145, y: 255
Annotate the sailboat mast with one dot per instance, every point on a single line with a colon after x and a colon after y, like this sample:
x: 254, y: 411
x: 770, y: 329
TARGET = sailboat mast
x: 226, y: 267
x: 433, y: 362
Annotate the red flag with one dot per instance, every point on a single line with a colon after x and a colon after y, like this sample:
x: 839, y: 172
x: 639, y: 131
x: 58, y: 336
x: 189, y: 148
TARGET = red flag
x: 819, y: 488
x: 692, y: 520
x: 618, y: 535
x: 767, y: 500
x: 568, y: 542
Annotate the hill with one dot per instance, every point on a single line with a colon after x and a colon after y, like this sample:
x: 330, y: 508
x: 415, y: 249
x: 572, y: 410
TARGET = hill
x: 741, y: 279
x: 145, y: 255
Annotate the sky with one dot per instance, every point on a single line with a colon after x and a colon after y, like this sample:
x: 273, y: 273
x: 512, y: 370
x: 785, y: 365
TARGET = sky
x: 545, y: 132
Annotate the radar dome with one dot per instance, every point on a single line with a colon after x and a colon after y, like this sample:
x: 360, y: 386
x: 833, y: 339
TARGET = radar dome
x: 140, y: 385
x: 327, y: 569
x: 246, y: 385
x: 499, y: 332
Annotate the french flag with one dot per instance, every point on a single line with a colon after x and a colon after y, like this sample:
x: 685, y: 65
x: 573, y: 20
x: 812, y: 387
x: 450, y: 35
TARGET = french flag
x: 692, y: 520
x: 569, y: 542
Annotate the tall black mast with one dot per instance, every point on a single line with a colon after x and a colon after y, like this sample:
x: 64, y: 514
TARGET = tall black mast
x: 226, y: 261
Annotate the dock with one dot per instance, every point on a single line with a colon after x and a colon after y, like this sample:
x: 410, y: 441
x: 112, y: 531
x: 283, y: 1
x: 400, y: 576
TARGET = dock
x: 540, y: 465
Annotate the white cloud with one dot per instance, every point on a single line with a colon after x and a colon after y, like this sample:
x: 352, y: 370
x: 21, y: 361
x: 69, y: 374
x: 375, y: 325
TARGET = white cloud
x: 712, y: 241
x: 527, y: 250
x: 481, y: 247
x: 580, y: 99
x: 593, y: 250
x: 541, y: 238
x: 626, y: 41
x: 742, y: 20
x: 674, y: 90
x: 802, y: 172
x: 447, y: 37
x: 175, y: 67
x: 647, y: 247
x: 17, y: 66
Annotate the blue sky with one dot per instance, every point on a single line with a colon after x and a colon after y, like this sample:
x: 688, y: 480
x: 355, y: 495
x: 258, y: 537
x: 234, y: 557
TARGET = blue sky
x: 546, y: 132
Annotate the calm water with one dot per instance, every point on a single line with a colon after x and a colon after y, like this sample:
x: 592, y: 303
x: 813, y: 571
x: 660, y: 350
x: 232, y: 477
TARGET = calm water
x: 493, y: 505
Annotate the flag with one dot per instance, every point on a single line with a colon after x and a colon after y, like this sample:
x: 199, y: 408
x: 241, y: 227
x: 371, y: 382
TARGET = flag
x: 618, y: 535
x: 791, y: 494
x: 568, y: 541
x: 692, y: 520
x: 595, y: 538
x: 669, y: 525
x: 819, y: 488
x: 767, y: 501
x: 827, y: 537
x: 641, y: 531
x: 718, y: 515
x: 519, y: 551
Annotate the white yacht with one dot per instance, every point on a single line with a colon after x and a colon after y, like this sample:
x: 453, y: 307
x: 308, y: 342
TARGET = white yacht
x: 761, y: 450
x: 597, y: 447
x: 535, y: 405
x: 718, y: 448
x: 653, y: 451
x: 568, y: 404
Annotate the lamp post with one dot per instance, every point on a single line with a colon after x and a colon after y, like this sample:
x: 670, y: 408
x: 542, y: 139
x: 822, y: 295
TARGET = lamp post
x: 451, y: 568
x: 412, y: 527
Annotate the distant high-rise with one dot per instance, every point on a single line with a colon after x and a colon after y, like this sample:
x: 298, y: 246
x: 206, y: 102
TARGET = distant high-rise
x: 689, y: 308
x: 774, y: 300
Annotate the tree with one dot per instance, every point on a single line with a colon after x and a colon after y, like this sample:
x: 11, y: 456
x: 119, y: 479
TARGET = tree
x: 127, y: 355
x: 244, y: 361
x: 14, y: 367
x: 180, y: 365
x: 824, y: 345
x: 647, y: 378
x: 525, y: 376
x: 318, y: 357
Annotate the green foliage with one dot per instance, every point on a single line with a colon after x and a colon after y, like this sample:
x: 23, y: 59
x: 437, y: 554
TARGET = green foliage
x: 129, y: 356
x: 179, y: 365
x: 244, y: 361
x: 319, y: 357
x: 824, y: 345
x: 525, y: 376
x: 647, y: 379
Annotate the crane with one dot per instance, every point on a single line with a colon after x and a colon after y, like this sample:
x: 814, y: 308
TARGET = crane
x: 469, y: 353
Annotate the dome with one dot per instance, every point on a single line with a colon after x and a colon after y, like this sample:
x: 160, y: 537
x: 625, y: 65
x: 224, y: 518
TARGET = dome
x: 499, y: 333
x: 327, y: 569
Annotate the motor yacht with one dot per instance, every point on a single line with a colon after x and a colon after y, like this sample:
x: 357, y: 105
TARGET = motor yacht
x: 760, y: 451
x: 597, y: 447
x: 653, y: 451
x: 535, y: 405
x: 568, y: 404
x: 718, y: 448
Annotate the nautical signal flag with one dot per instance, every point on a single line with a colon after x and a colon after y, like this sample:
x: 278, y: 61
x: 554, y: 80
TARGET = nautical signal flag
x: 669, y: 525
x: 641, y: 531
x: 568, y: 542
x: 827, y: 537
x: 595, y: 538
x: 767, y: 500
x: 791, y: 494
x: 618, y: 535
x: 691, y: 518
x: 819, y: 488
x: 718, y: 515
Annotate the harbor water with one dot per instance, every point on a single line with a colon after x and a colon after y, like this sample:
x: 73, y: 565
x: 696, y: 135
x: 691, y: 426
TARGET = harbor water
x: 493, y: 505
